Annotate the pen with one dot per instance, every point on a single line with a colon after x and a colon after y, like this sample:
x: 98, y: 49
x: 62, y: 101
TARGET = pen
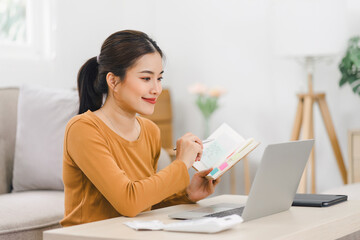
x: 205, y: 141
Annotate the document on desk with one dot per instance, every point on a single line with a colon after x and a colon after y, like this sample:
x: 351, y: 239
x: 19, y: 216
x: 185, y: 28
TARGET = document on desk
x: 145, y: 225
x: 203, y: 225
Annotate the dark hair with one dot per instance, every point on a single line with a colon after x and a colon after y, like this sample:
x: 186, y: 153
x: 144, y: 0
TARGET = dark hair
x: 119, y: 52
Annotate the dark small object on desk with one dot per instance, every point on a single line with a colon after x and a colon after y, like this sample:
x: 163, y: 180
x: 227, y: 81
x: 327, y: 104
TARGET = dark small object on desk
x: 318, y: 200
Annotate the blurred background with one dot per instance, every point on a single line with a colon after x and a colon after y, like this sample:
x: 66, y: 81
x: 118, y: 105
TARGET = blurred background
x: 233, y: 44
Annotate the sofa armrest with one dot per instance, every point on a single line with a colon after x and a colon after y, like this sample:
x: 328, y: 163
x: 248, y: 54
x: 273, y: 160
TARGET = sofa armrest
x: 8, y: 119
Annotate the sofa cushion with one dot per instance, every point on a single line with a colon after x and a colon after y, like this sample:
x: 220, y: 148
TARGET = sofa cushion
x: 41, y: 120
x: 23, y: 211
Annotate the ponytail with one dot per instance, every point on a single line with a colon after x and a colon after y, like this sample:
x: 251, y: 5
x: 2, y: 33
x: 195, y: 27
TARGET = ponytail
x: 89, y: 97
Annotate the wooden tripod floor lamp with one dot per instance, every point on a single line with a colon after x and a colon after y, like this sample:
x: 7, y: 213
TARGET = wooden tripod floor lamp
x: 304, y: 122
x: 310, y: 30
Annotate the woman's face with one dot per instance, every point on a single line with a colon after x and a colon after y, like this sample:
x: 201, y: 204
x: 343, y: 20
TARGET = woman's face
x: 141, y: 86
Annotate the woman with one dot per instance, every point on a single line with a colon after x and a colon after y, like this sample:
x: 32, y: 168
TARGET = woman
x: 110, y: 153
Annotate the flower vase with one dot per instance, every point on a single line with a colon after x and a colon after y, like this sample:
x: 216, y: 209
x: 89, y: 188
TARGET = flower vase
x: 206, y: 126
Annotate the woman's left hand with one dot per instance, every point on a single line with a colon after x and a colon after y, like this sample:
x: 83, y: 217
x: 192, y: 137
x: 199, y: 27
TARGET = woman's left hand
x: 200, y: 187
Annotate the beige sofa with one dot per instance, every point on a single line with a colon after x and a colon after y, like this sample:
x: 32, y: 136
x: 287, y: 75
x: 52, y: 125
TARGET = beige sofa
x: 23, y: 215
x: 26, y: 214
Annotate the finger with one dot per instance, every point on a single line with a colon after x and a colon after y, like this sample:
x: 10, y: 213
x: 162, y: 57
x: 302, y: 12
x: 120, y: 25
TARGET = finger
x: 217, y: 181
x: 188, y: 134
x: 198, y: 157
x: 178, y: 143
x: 211, y: 186
x: 198, y: 140
x: 203, y: 173
x: 193, y: 138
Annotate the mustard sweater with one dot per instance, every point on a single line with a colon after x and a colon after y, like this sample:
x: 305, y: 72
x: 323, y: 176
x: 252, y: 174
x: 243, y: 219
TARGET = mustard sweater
x: 107, y: 176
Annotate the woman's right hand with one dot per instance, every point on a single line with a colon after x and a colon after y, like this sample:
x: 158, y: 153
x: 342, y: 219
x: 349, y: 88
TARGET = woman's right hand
x: 189, y: 149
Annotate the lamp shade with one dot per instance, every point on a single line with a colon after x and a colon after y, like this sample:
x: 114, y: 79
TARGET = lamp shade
x: 302, y: 28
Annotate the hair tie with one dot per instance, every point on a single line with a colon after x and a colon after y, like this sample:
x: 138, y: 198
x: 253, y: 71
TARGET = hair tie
x: 97, y: 59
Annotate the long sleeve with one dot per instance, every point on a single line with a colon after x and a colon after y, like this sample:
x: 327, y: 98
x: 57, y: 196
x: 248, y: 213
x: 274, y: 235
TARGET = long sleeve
x: 175, y: 199
x: 101, y: 165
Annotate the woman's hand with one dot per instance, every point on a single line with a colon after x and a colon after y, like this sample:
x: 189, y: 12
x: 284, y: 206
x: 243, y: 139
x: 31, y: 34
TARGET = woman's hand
x: 189, y: 149
x: 200, y: 187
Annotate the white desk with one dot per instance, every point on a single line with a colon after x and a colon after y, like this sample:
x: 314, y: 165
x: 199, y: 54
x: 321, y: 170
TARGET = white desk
x: 297, y: 223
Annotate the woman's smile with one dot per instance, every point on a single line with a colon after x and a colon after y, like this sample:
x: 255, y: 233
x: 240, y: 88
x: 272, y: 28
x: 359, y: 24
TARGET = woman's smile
x: 150, y: 100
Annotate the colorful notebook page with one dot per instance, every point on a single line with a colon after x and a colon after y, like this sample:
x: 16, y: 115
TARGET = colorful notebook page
x: 223, y: 166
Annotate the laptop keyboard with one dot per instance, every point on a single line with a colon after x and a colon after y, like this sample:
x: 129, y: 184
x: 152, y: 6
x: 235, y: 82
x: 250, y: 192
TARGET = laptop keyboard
x: 237, y: 211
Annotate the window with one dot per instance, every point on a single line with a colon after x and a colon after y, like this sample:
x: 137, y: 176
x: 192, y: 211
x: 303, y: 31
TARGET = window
x: 26, y: 29
x: 13, y: 21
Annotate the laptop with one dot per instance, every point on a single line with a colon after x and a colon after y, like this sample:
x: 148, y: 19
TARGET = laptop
x: 274, y: 186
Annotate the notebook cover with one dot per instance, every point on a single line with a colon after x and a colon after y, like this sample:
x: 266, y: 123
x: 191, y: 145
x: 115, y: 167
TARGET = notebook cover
x: 317, y: 200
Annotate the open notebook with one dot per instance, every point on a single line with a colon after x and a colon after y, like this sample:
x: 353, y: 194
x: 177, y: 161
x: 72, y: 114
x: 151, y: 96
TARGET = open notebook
x: 227, y: 148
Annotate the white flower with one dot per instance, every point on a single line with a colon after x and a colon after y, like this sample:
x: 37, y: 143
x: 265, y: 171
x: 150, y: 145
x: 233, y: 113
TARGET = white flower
x: 198, y: 88
x: 217, y: 92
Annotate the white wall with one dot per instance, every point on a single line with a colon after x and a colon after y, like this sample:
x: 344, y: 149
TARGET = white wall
x: 214, y: 42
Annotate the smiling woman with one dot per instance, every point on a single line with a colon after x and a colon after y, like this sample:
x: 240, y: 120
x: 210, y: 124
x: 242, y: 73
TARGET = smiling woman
x: 111, y: 153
